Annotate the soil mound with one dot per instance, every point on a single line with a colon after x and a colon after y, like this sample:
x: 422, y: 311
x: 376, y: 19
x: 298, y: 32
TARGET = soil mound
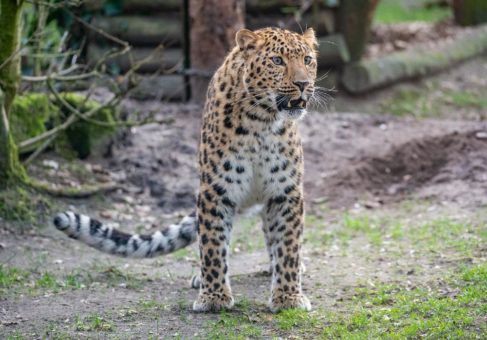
x: 418, y: 165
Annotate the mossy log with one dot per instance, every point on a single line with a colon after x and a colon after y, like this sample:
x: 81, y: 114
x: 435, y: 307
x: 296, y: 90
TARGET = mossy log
x: 323, y: 22
x: 168, y: 87
x: 470, y: 12
x: 162, y: 59
x: 137, y: 6
x: 370, y: 74
x: 333, y: 51
x: 141, y: 30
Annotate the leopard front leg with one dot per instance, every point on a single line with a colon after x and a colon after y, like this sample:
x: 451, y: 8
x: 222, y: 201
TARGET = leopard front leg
x: 215, y: 224
x: 285, y: 216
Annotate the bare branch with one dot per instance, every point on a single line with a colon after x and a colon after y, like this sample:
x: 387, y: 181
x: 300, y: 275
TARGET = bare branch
x: 70, y: 192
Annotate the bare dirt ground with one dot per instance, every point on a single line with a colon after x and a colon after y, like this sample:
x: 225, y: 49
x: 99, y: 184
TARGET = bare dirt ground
x: 391, y: 199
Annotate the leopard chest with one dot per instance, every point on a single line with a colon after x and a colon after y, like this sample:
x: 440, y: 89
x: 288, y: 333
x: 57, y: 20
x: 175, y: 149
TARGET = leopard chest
x: 256, y: 165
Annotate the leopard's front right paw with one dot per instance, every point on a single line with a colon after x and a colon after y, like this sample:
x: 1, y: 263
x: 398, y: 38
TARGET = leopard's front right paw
x: 286, y: 301
x: 212, y: 302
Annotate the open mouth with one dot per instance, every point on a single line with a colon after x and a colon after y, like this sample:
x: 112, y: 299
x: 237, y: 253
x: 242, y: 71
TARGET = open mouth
x: 285, y: 103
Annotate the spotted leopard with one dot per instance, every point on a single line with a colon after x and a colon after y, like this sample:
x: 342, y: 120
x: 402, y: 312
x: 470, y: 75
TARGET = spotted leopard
x: 250, y: 153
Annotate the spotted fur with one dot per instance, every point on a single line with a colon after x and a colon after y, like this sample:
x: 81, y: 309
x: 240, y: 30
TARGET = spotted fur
x: 250, y: 153
x: 109, y: 240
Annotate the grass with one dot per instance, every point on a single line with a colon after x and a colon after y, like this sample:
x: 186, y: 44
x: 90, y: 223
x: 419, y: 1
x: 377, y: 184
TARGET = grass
x: 292, y: 319
x: 11, y: 276
x: 342, y: 231
x: 466, y: 99
x: 397, y: 313
x: 431, y: 101
x: 93, y: 322
x: 444, y: 234
x: 395, y: 11
x: 232, y: 326
x: 23, y: 205
x: 411, y: 102
x: 244, y: 237
x: 455, y: 309
x: 15, y: 280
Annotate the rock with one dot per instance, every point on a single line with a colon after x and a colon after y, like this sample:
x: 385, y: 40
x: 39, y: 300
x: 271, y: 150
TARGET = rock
x: 157, y: 189
x: 481, y: 135
x: 50, y: 164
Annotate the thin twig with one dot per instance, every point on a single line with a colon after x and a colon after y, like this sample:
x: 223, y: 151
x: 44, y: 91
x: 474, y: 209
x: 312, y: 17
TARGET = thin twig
x: 116, y: 123
x: 60, y: 77
x: 100, y: 31
x: 39, y: 150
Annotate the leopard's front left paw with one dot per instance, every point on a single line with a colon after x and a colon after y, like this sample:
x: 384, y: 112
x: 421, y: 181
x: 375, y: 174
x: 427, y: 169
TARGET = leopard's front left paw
x: 286, y: 301
x: 212, y: 302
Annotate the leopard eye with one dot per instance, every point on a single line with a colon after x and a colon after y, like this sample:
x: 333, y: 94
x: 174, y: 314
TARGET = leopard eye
x: 307, y: 60
x: 277, y: 60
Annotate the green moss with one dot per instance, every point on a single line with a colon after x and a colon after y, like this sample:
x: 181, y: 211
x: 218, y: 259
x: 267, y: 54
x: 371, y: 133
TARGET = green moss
x: 29, y: 115
x: 82, y: 135
x: 20, y: 204
x: 393, y: 11
x: 33, y: 114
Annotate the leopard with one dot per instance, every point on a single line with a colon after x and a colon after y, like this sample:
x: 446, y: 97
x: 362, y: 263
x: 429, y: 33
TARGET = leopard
x: 250, y: 152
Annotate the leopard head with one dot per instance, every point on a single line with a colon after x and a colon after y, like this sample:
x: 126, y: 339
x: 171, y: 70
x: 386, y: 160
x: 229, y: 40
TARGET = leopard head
x: 279, y: 69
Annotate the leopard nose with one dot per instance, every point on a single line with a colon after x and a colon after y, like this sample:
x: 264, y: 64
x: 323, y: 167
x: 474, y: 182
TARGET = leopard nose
x: 301, y: 84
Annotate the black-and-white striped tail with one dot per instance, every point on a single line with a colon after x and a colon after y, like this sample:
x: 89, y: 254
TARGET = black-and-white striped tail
x: 113, y: 241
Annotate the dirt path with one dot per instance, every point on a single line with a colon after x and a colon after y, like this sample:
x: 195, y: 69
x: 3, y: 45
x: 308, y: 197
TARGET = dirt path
x: 392, y: 202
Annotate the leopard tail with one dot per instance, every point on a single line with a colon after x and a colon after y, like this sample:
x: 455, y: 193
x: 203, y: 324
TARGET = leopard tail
x: 110, y: 240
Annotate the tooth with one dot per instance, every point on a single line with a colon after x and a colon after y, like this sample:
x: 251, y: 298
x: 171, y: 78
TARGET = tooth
x: 288, y: 104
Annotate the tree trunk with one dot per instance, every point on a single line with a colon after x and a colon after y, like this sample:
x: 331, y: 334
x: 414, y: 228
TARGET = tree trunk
x: 10, y: 14
x: 354, y: 20
x: 213, y: 24
x: 470, y: 12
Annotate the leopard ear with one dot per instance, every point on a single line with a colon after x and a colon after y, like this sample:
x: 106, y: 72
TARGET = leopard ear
x: 246, y: 39
x: 310, y: 37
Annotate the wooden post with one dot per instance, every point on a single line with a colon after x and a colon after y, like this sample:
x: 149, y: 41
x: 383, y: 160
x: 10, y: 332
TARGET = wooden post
x: 213, y: 24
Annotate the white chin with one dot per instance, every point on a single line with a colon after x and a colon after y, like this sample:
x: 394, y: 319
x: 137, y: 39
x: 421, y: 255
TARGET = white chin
x: 293, y: 114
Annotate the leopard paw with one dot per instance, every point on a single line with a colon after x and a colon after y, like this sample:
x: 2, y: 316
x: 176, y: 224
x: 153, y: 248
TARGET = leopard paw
x: 211, y: 302
x: 287, y: 301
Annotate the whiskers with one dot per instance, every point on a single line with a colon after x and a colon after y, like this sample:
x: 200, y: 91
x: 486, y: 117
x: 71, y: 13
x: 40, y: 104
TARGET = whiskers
x: 321, y: 97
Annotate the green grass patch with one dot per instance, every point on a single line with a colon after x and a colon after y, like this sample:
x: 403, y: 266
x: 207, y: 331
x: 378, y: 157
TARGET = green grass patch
x: 14, y: 280
x: 466, y: 99
x: 12, y: 276
x: 396, y: 313
x: 431, y: 101
x: 94, y: 322
x: 248, y: 235
x: 291, y: 319
x: 447, y: 234
x: 411, y: 102
x: 321, y: 234
x: 23, y: 205
x: 395, y: 11
x: 232, y: 326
